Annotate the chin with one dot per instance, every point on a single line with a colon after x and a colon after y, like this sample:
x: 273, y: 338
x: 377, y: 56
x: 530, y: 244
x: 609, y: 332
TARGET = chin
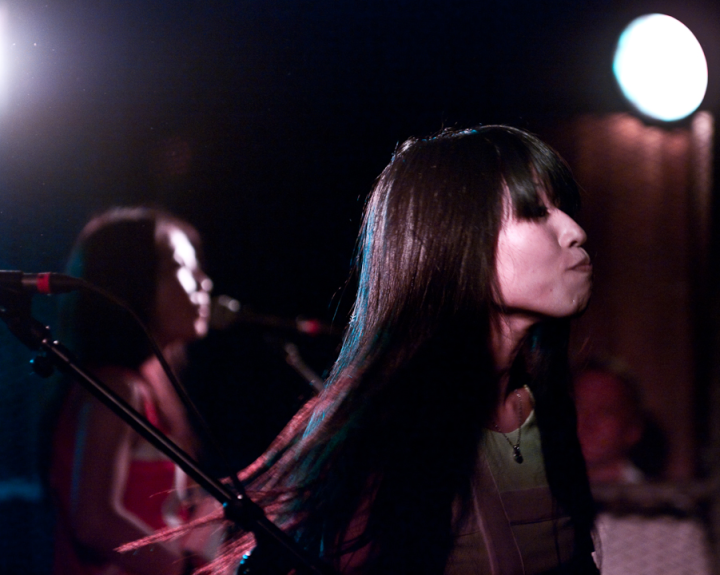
x: 580, y: 310
x: 201, y: 329
x: 579, y: 305
x: 574, y: 309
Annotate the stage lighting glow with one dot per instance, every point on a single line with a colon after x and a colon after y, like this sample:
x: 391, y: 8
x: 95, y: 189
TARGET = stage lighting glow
x: 3, y: 57
x: 661, y: 67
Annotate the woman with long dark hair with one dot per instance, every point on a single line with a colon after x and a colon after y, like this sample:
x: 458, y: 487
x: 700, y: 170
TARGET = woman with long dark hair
x: 110, y: 485
x: 444, y: 441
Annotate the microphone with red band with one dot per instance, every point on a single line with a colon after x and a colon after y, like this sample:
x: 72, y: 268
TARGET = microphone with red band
x: 226, y: 311
x: 43, y: 283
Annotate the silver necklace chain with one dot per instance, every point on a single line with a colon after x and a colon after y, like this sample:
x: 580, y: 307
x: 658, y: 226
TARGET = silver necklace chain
x: 517, y: 455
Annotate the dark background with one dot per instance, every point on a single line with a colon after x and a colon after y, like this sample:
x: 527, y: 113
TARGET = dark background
x: 264, y: 123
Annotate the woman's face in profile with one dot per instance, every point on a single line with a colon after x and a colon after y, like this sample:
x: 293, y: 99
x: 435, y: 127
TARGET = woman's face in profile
x: 542, y: 268
x: 182, y: 307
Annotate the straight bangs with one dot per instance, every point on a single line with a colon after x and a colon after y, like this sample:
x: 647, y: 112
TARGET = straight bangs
x: 531, y: 168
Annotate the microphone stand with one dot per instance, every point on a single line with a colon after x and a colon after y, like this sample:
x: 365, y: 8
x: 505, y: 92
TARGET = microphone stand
x: 275, y: 554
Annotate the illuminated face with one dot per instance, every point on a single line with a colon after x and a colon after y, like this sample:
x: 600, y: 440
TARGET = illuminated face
x: 542, y: 269
x: 182, y: 306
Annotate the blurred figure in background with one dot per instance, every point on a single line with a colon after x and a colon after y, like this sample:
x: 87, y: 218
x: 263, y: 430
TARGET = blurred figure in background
x: 623, y: 446
x: 611, y: 423
x: 110, y: 485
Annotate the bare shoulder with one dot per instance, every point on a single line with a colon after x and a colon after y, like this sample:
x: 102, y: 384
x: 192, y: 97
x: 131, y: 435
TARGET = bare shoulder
x: 125, y: 382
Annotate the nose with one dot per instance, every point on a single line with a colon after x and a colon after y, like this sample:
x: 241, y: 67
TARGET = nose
x: 570, y: 232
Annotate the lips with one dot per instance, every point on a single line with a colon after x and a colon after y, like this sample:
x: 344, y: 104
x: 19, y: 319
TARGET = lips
x: 203, y: 311
x: 583, y: 265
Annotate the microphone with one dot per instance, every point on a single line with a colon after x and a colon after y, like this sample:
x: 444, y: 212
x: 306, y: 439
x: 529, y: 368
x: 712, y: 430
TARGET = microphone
x: 226, y: 311
x: 44, y: 283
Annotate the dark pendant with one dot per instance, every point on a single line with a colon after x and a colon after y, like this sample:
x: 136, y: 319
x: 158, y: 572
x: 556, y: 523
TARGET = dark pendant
x: 516, y: 454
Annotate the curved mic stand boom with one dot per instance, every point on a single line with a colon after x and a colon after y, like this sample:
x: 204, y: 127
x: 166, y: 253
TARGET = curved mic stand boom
x: 279, y: 554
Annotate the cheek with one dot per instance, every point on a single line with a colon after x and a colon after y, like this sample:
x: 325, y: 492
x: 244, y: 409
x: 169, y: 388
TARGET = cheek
x: 522, y: 256
x: 510, y: 265
x: 172, y: 302
x: 522, y: 278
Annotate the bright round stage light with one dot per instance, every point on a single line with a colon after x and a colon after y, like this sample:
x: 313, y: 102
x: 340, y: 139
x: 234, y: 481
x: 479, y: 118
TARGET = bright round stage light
x: 661, y: 67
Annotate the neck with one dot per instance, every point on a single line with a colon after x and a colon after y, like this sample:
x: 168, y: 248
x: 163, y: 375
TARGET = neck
x: 507, y: 334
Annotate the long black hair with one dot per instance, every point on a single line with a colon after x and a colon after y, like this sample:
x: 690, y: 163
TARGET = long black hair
x: 398, y: 425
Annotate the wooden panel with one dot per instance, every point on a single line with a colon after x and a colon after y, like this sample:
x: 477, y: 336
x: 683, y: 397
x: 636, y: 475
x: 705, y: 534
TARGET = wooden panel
x: 646, y: 198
